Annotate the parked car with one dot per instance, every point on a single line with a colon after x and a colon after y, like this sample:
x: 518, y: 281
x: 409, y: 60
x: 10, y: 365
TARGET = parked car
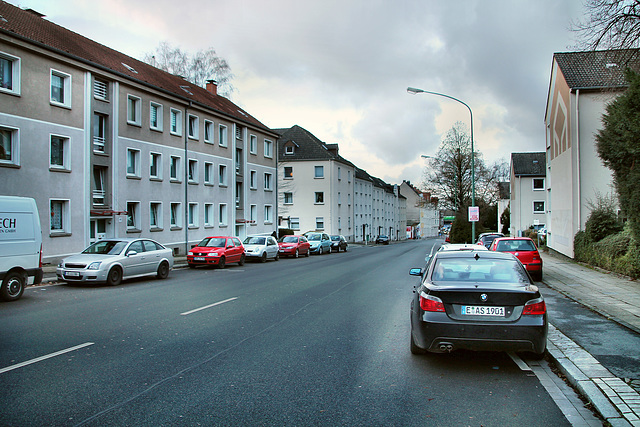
x: 112, y: 260
x: 261, y: 248
x: 293, y: 246
x: 382, y: 239
x: 476, y: 300
x: 217, y: 250
x: 338, y: 242
x: 525, y: 250
x: 487, y: 238
x: 320, y: 243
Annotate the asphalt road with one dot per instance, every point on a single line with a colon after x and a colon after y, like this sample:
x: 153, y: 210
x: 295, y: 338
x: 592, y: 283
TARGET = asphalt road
x: 322, y: 340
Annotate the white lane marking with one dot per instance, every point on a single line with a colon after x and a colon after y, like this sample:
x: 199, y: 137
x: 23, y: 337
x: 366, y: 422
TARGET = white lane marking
x: 207, y: 306
x: 521, y: 364
x: 41, y: 358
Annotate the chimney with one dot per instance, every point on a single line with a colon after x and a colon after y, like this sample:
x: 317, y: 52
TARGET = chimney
x: 212, y: 87
x: 332, y: 148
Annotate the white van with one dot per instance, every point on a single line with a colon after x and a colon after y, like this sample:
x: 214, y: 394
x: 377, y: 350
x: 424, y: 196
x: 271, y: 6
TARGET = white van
x: 20, y: 246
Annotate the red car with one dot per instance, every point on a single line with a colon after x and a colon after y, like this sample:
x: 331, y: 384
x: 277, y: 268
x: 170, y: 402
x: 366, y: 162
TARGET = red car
x: 525, y: 250
x: 293, y: 246
x: 216, y: 250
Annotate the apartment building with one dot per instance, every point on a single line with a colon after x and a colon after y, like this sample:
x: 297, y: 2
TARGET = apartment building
x: 110, y: 146
x: 528, y: 192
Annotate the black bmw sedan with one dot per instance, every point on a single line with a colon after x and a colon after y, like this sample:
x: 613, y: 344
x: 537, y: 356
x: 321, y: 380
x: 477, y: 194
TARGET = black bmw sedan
x: 477, y: 300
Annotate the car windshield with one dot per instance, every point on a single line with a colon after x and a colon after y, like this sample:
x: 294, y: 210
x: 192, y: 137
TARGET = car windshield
x: 478, y: 270
x: 515, y: 246
x: 106, y: 247
x: 288, y: 239
x: 213, y: 242
x: 254, y: 240
x: 314, y: 237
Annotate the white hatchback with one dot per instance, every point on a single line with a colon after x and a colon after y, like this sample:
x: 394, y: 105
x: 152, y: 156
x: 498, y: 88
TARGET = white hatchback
x: 261, y: 248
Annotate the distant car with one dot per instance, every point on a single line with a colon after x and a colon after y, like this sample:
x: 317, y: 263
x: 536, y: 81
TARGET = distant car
x: 338, y: 242
x: 293, y: 246
x: 542, y: 232
x: 216, y: 250
x: 525, y: 250
x: 382, y: 239
x: 476, y: 300
x: 261, y: 248
x: 487, y: 238
x: 112, y: 260
x: 320, y: 242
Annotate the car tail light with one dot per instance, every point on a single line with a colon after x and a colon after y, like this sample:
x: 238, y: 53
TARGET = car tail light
x: 429, y: 303
x: 40, y: 261
x: 534, y: 308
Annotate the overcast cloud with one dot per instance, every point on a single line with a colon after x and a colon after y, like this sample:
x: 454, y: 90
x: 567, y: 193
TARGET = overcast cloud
x: 340, y: 69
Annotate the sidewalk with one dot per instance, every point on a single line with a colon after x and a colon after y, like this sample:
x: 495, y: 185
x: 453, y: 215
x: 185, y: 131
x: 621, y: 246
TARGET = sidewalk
x: 616, y: 298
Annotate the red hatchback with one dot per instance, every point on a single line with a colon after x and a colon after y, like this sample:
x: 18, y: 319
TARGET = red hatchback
x: 293, y: 246
x: 216, y: 250
x: 525, y: 250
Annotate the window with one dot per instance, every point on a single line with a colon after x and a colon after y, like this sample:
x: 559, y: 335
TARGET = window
x: 60, y: 221
x: 289, y: 149
x: 101, y: 90
x: 288, y: 198
x: 133, y: 110
x: 176, y: 122
x: 319, y: 223
x: 208, y: 131
x: 9, y: 73
x: 133, y: 216
x: 253, y: 180
x: 194, y: 124
x: 253, y: 213
x: 339, y: 199
x: 222, y: 175
x: 538, y: 184
x: 267, y: 182
x: 99, y: 132
x: 238, y: 161
x: 208, y: 173
x: 155, y: 116
x: 319, y: 172
x: 222, y: 136
x: 60, y: 89
x: 319, y: 197
x: 155, y: 166
x: 175, y: 169
x: 339, y: 173
x: 239, y: 132
x: 223, y: 214
x: 59, y: 152
x: 193, y: 171
x: 538, y: 207
x: 238, y: 195
x: 268, y: 148
x: 155, y: 215
x: 208, y: 214
x: 253, y: 144
x: 349, y: 176
x: 268, y: 214
x: 193, y: 215
x: 9, y: 154
x: 98, y: 191
x: 176, y: 215
x: 288, y: 172
x: 133, y: 163
x: 295, y: 223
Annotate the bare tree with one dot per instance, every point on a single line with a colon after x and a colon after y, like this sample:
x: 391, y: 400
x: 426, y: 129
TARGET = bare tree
x: 198, y: 68
x: 610, y: 24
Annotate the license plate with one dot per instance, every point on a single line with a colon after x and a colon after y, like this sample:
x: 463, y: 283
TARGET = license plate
x: 198, y: 258
x: 72, y: 274
x: 472, y: 310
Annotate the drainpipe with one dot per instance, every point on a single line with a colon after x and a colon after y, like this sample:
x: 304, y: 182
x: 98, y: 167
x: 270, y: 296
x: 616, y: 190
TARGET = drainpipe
x: 578, y: 164
x: 186, y: 179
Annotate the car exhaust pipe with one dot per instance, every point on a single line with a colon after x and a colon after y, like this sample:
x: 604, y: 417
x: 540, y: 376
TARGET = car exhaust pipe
x: 446, y: 347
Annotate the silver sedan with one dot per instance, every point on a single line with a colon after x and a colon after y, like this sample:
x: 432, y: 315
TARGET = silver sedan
x: 112, y: 260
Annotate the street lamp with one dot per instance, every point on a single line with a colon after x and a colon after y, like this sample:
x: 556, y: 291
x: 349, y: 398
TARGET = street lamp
x: 413, y: 91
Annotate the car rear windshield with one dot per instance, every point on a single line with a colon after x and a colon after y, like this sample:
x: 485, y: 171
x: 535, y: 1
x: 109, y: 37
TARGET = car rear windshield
x: 213, y: 242
x: 106, y: 247
x: 254, y: 241
x: 478, y: 270
x: 515, y: 246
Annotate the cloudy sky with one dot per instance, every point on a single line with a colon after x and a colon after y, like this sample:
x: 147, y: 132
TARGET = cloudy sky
x: 340, y: 68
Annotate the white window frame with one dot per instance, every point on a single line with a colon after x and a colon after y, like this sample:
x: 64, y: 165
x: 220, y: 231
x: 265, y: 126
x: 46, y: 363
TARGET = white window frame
x: 157, y: 207
x: 208, y: 215
x: 289, y: 149
x: 65, y: 210
x: 193, y: 127
x: 544, y: 207
x: 533, y: 184
x: 294, y: 223
x: 208, y: 173
x: 98, y: 192
x: 177, y: 160
x: 268, y: 214
x: 253, y: 144
x: 175, y: 117
x: 100, y: 121
x: 288, y: 197
x: 15, y: 74
x: 159, y: 116
x: 208, y: 132
x: 285, y: 172
x: 319, y: 223
x: 315, y: 198
x: 268, y: 148
x: 192, y: 215
x: 133, y: 224
x: 192, y: 174
x: 134, y: 110
x: 136, y: 167
x: 222, y: 175
x: 253, y: 180
x: 317, y: 169
x: 14, y: 142
x: 223, y: 217
x: 268, y: 181
x: 253, y: 214
x: 66, y: 157
x: 100, y: 90
x: 155, y: 158
x: 223, y: 135
x: 66, y: 87
x: 176, y: 215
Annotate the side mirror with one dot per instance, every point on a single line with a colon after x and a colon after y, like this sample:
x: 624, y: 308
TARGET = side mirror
x: 132, y: 253
x: 415, y: 272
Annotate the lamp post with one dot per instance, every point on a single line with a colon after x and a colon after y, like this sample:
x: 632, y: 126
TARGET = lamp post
x: 413, y: 91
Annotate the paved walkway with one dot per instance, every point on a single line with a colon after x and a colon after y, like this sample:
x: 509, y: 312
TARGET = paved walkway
x: 615, y: 297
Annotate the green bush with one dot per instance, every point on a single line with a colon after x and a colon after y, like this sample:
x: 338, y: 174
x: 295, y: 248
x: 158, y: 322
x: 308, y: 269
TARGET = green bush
x: 460, y: 230
x: 618, y: 252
